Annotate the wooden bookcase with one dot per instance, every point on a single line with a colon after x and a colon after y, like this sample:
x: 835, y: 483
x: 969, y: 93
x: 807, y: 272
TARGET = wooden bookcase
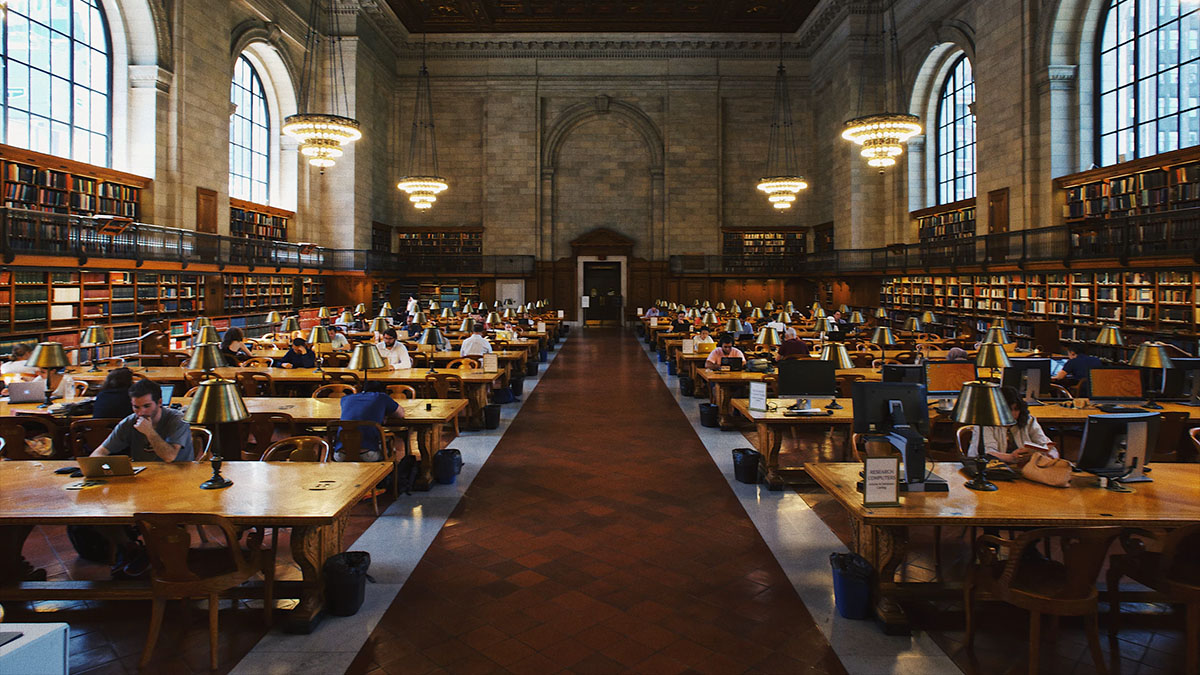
x: 1166, y: 182
x: 35, y: 300
x: 947, y: 223
x: 381, y: 238
x: 41, y: 182
x: 254, y: 291
x: 448, y: 291
x: 258, y: 221
x: 760, y: 249
x: 381, y: 292
x: 823, y: 238
x: 440, y: 241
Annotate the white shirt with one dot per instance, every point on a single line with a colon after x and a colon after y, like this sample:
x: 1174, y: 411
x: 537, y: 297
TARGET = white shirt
x: 475, y: 345
x: 411, y: 307
x: 397, y: 355
x: 995, y: 439
x: 704, y: 341
x: 66, y: 386
x: 10, y: 367
x: 339, y: 341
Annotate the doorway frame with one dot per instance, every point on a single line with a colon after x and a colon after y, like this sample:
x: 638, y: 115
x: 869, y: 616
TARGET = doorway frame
x: 579, y: 261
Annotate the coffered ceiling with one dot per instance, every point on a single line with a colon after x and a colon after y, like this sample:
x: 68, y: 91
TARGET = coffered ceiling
x: 595, y: 16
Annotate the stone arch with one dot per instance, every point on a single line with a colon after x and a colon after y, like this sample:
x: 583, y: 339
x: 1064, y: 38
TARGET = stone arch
x: 141, y: 53
x: 924, y: 102
x: 1068, y: 51
x: 562, y: 127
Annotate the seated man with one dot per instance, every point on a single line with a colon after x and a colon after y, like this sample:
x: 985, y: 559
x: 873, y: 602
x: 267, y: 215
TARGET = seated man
x: 337, y: 339
x: 792, y: 344
x: 477, y: 344
x: 393, y: 351
x: 153, y: 432
x: 299, y: 356
x: 372, y: 405
x: 652, y: 312
x: 681, y: 324
x: 724, y: 350
x: 704, y: 337
x: 1078, y: 366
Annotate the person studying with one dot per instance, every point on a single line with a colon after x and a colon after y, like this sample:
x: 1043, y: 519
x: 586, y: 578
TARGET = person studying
x: 1078, y: 366
x: 724, y: 350
x: 477, y: 344
x: 299, y: 356
x: 1016, y: 444
x: 152, y: 433
x: 393, y: 351
x: 372, y: 405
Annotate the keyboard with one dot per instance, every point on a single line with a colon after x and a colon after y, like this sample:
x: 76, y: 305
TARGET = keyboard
x: 1117, y: 408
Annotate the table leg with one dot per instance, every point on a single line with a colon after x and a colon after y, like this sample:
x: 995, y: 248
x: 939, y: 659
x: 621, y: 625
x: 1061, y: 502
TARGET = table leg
x: 721, y: 396
x: 311, y: 547
x: 429, y: 441
x: 476, y: 401
x: 769, y: 440
x: 885, y: 547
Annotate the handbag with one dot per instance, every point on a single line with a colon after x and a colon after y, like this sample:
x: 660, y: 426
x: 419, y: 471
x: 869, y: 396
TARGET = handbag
x: 1047, y: 470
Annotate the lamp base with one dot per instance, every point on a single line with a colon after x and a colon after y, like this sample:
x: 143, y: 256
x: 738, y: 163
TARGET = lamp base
x: 980, y: 484
x: 217, y: 482
x: 1151, y: 405
x: 833, y: 405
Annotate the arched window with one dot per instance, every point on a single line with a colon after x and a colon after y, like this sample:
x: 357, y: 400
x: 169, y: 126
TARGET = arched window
x: 58, y: 77
x: 956, y: 135
x: 1148, y: 79
x: 249, y: 138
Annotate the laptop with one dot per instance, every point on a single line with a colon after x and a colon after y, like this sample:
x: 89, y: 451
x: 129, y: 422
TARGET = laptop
x: 27, y: 392
x: 1056, y: 365
x: 168, y: 390
x: 733, y: 362
x: 107, y: 467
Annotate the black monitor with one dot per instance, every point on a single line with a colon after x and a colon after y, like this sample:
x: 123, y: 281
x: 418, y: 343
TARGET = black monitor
x: 1182, y: 379
x: 1029, y: 376
x: 1116, y: 446
x: 733, y: 362
x: 880, y: 406
x: 897, y: 372
x: 807, y: 377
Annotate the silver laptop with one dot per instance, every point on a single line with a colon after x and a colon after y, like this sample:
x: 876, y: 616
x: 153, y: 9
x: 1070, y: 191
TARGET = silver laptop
x: 111, y: 465
x: 27, y: 392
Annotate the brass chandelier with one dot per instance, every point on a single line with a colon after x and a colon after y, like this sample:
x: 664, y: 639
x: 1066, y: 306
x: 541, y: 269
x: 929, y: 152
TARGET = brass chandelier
x: 322, y: 135
x: 782, y: 181
x: 423, y: 183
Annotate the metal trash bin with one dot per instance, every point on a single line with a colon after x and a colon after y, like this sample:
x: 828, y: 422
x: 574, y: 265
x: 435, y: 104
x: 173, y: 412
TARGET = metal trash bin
x: 745, y: 465
x: 346, y: 582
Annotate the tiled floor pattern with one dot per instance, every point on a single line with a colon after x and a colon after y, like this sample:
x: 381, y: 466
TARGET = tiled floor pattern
x: 598, y: 538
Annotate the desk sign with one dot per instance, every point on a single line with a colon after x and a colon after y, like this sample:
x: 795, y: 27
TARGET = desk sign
x: 491, y: 363
x: 688, y: 346
x: 561, y: 314
x: 758, y: 396
x: 585, y: 302
x: 654, y: 322
x: 640, y: 312
x: 541, y: 326
x: 881, y: 481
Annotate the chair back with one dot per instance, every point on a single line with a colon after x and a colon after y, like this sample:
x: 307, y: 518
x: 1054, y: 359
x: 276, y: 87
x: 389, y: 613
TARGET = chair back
x: 862, y: 359
x: 254, y: 384
x: 334, y: 390
x: 350, y: 433
x: 419, y: 359
x: 258, y: 362
x: 445, y: 385
x: 298, y: 449
x: 168, y: 540
x: 401, y: 391
x: 907, y: 357
x: 464, y: 363
x: 339, y: 378
x: 261, y: 428
x: 337, y: 360
x: 173, y: 359
x: 201, y: 440
x: 88, y: 434
x: 1194, y: 433
x: 962, y: 438
x: 16, y: 430
x: 110, y: 362
x: 81, y: 388
x: 1170, y: 436
x: 191, y: 393
x: 193, y: 378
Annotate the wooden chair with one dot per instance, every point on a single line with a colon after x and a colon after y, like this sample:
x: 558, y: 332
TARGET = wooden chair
x: 110, y: 362
x: 298, y: 449
x: 350, y: 434
x: 81, y: 389
x: 337, y: 360
x: 258, y: 362
x: 260, y: 430
x: 1041, y: 585
x: 862, y: 359
x: 174, y: 359
x: 878, y: 364
x: 339, y: 378
x: 254, y: 384
x: 88, y: 434
x: 962, y: 438
x: 16, y: 430
x: 334, y: 390
x: 201, y: 440
x: 179, y: 571
x: 906, y: 357
x: 1195, y: 436
x: 470, y: 362
x: 419, y: 359
x: 193, y: 378
x: 191, y: 393
x: 401, y: 391
x: 1173, y: 570
x: 446, y: 385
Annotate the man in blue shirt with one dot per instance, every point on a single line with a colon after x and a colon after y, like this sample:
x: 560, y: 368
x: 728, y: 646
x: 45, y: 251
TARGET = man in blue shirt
x: 372, y: 405
x: 299, y: 356
x: 1078, y: 367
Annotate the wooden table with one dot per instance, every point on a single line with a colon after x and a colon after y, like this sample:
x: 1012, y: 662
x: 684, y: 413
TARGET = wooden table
x: 272, y: 494
x: 772, y: 424
x: 723, y: 384
x: 881, y: 534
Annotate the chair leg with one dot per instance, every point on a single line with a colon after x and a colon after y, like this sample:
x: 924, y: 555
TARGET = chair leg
x: 1114, y: 597
x: 375, y: 500
x: 1092, y: 625
x: 937, y: 552
x: 269, y: 588
x: 1035, y: 641
x: 213, y: 607
x: 157, y: 609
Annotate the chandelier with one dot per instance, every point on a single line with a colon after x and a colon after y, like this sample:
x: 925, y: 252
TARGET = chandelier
x: 882, y: 135
x: 322, y: 135
x: 782, y: 181
x: 422, y: 184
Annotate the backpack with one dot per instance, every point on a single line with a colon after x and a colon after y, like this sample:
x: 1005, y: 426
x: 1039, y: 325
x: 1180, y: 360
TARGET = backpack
x: 406, y: 473
x: 90, y: 544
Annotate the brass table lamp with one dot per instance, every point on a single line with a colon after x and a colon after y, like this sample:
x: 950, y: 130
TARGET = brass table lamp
x: 912, y: 324
x: 1110, y: 336
x: 420, y: 318
x: 431, y: 336
x: 380, y: 324
x: 767, y: 337
x: 467, y: 325
x: 93, y: 337
x: 493, y: 319
x: 274, y: 317
x: 996, y: 336
x: 1153, y: 356
x: 205, y: 335
x: 217, y: 402
x: 843, y: 308
x: 735, y: 308
x: 733, y: 326
x: 206, y: 357
x: 818, y: 312
x: 447, y: 313
x: 981, y: 404
x: 201, y: 321
x: 928, y: 317
x: 856, y: 318
x: 366, y: 358
x: 837, y: 353
x: 434, y: 306
x: 883, y: 337
x: 290, y: 325
x: 385, y: 312
x: 346, y: 318
x: 51, y: 356
x: 992, y: 355
x: 387, y: 306
x: 881, y: 313
x: 323, y: 313
x: 320, y: 343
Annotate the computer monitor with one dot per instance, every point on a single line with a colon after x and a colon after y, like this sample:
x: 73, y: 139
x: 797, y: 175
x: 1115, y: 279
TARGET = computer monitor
x: 1056, y: 365
x: 1116, y: 384
x: 168, y: 390
x: 879, y: 406
x: 913, y: 374
x: 1030, y: 376
x: 807, y: 377
x: 732, y: 362
x: 1115, y: 446
x: 948, y: 377
x: 1182, y: 380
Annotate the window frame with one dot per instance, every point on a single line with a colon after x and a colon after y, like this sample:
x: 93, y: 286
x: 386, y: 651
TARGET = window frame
x: 261, y: 97
x: 950, y: 78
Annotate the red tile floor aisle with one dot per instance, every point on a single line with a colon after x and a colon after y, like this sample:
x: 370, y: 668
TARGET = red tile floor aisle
x: 598, y: 538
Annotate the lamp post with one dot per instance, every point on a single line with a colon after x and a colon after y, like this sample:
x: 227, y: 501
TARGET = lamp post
x: 217, y: 402
x: 981, y: 404
x: 93, y: 337
x: 52, y: 357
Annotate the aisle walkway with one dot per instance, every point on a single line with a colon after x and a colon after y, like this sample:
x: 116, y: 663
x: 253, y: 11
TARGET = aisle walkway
x: 598, y: 538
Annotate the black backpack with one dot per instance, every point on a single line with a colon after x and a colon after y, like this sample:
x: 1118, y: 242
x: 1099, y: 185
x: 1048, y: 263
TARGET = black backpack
x: 90, y: 544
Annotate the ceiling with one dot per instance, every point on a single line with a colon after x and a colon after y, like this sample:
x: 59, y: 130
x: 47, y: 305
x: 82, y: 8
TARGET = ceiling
x: 602, y: 16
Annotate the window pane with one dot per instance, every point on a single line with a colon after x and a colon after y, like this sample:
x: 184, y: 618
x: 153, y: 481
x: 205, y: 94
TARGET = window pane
x: 955, y: 135
x: 249, y: 134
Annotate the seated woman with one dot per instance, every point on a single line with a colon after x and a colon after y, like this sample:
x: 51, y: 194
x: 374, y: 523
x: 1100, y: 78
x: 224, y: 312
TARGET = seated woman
x: 113, y: 399
x: 233, y: 347
x: 1017, y: 443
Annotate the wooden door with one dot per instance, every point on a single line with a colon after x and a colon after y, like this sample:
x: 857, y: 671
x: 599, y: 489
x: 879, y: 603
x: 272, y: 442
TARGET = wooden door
x: 206, y: 210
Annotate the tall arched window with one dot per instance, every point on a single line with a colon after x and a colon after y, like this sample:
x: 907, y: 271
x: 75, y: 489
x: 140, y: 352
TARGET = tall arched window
x: 956, y: 135
x: 58, y: 78
x: 249, y: 138
x: 1148, y: 79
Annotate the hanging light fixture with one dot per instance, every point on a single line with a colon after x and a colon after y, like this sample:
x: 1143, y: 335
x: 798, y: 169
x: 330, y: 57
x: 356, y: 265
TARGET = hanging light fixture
x: 422, y: 184
x: 782, y: 181
x: 322, y: 135
x: 882, y: 135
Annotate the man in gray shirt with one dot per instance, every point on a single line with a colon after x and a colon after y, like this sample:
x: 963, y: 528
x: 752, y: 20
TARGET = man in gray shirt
x: 152, y: 433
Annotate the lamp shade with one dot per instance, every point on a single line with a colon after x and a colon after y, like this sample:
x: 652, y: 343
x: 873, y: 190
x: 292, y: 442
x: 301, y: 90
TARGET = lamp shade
x: 346, y: 317
x: 748, y: 305
x: 733, y: 326
x: 783, y: 317
x: 380, y: 324
x: 216, y: 401
x: 1001, y: 323
x: 206, y: 357
x: 207, y: 334
x: 493, y: 319
x: 928, y: 317
x: 710, y: 319
x: 720, y: 307
x: 1151, y: 355
x: 1110, y: 336
x: 274, y: 317
x: 509, y: 313
x: 756, y: 313
x: 827, y: 325
x: 447, y: 313
x: 707, y: 305
x: 767, y: 337
x: 385, y: 312
x: 420, y: 319
x: 434, y: 306
x: 769, y: 307
x: 319, y: 335
x: 856, y: 318
x: 790, y: 307
x: 912, y: 324
x: 883, y: 337
x: 366, y: 357
x: 982, y: 404
x: 387, y: 306
x: 201, y: 321
x: 818, y: 312
x: 431, y: 336
x: 290, y: 324
x: 360, y: 308
x: 94, y: 335
x: 837, y: 353
x: 323, y: 313
x: 467, y: 325
x: 996, y: 336
x: 991, y: 355
x: 48, y: 355
x: 881, y: 313
x: 843, y: 308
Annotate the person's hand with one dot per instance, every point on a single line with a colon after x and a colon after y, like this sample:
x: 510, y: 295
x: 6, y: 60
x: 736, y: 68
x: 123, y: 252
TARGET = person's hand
x: 144, y: 426
x: 285, y: 365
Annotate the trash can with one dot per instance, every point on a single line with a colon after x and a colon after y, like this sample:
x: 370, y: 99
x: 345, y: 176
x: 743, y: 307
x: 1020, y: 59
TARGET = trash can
x: 346, y: 582
x: 640, y: 329
x: 517, y: 384
x: 686, y: 385
x: 671, y: 367
x: 531, y: 368
x: 745, y: 465
x: 542, y: 355
x: 851, y: 584
x: 446, y: 465
x: 709, y: 415
x: 491, y: 416
x: 662, y: 356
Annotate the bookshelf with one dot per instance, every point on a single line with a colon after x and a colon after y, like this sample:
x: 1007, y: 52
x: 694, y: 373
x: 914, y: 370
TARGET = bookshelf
x: 759, y: 249
x: 823, y: 238
x: 258, y: 221
x: 1160, y: 304
x: 1166, y: 182
x: 947, y: 223
x: 40, y: 182
x: 440, y: 241
x: 381, y: 238
x: 448, y: 291
x: 36, y: 300
x: 381, y: 292
x: 254, y: 291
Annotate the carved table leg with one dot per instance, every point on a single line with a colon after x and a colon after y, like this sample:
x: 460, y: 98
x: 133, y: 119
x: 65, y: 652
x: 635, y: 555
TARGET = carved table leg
x: 429, y: 441
x: 311, y: 547
x: 769, y: 440
x: 476, y: 401
x: 721, y: 396
x: 885, y: 547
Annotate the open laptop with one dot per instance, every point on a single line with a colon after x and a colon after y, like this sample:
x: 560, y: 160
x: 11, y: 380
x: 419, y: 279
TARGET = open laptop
x: 27, y: 392
x: 733, y: 362
x: 168, y: 390
x: 107, y: 467
x: 1056, y: 365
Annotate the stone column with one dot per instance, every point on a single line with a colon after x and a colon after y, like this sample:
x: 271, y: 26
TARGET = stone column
x: 151, y: 136
x: 920, y: 174
x: 1060, y: 83
x: 658, y: 230
x: 546, y: 225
